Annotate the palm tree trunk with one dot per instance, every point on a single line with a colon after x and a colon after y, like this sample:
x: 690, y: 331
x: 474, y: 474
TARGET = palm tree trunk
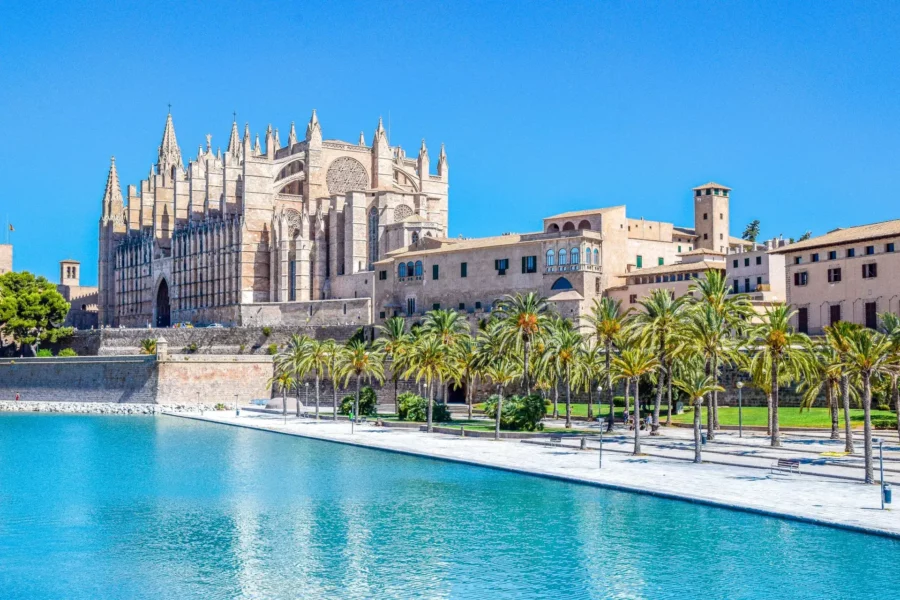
x: 710, y: 429
x: 333, y: 395
x: 590, y: 410
x: 317, y: 394
x: 715, y: 397
x: 833, y: 408
x: 525, y: 368
x: 430, y: 406
x: 669, y: 395
x: 568, y: 397
x: 297, y: 392
x: 499, y: 411
x: 469, y: 396
x: 627, y: 400
x: 697, y: 407
x: 659, y: 387
x: 776, y: 433
x: 610, y: 393
x: 848, y: 432
x: 356, y: 404
x: 556, y: 400
x: 769, y: 413
x: 284, y: 400
x: 895, y: 394
x: 637, y: 423
x: 867, y: 427
x: 396, y: 402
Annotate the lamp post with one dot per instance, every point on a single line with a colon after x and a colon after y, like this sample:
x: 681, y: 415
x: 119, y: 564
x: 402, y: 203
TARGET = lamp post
x: 600, y: 419
x: 199, y: 406
x: 740, y: 386
x: 880, y: 442
x: 306, y: 402
x: 237, y: 411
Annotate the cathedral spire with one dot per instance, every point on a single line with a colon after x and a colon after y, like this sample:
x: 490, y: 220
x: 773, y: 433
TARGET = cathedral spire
x: 113, y: 205
x: 313, y: 129
x: 380, y: 134
x: 234, y: 142
x: 277, y: 141
x: 169, y: 152
x: 362, y: 138
x: 292, y: 136
x: 257, y: 149
x: 442, y: 162
x: 423, y: 150
x: 245, y: 142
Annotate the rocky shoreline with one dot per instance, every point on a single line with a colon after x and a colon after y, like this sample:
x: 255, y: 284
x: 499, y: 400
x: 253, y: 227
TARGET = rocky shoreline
x: 102, y: 408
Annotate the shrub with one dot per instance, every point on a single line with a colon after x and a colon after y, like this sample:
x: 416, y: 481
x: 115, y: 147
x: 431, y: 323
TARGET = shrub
x: 884, y: 423
x: 368, y: 403
x: 267, y: 331
x: 67, y: 352
x: 148, y: 346
x: 412, y: 407
x: 220, y: 406
x: 520, y: 413
x: 883, y: 407
x: 272, y: 349
x: 44, y: 353
x: 241, y: 348
x: 191, y: 348
x: 619, y: 401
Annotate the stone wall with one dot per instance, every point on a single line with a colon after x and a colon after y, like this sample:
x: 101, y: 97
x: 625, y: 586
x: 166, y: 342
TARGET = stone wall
x: 212, y: 379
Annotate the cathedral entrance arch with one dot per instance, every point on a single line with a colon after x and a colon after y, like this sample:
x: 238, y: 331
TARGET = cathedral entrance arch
x: 163, y: 312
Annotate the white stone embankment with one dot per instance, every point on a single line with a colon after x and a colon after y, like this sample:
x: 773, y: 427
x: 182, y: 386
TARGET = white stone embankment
x: 101, y: 408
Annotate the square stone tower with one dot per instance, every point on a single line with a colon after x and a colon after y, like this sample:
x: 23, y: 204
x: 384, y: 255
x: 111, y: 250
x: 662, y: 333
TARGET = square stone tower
x: 69, y: 272
x: 711, y: 216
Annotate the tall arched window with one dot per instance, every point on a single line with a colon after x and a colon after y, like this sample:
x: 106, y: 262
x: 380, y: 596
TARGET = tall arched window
x: 587, y: 256
x: 596, y: 256
x: 550, y: 256
x: 575, y: 254
x: 562, y: 256
x: 401, y: 270
x: 418, y: 268
x: 409, y: 269
x: 373, y: 236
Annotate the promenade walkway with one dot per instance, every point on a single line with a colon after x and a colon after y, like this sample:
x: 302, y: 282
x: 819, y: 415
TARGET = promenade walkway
x: 662, y: 471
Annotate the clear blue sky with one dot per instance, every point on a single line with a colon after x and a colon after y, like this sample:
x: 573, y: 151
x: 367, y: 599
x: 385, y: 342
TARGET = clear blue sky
x: 544, y: 107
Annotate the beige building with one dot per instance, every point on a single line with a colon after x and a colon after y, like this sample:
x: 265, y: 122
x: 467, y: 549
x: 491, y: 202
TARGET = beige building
x: 576, y: 258
x: 844, y: 275
x: 6, y: 258
x: 263, y: 234
x: 81, y: 298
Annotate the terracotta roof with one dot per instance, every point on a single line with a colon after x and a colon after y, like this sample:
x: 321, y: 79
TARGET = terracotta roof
x: 700, y: 265
x: 565, y: 295
x: 452, y: 245
x: 712, y: 184
x: 583, y: 213
x: 699, y: 251
x: 846, y: 236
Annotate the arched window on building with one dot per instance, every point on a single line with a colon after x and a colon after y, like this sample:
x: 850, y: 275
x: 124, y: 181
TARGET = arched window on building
x: 596, y: 256
x: 418, y: 268
x: 575, y: 254
x: 563, y: 256
x: 409, y: 269
x: 550, y: 256
x: 561, y: 284
x: 401, y: 270
x: 373, y: 237
x: 587, y: 256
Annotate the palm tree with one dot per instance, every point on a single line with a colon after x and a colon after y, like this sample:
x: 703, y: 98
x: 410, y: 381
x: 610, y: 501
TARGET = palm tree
x: 360, y: 361
x: 465, y: 356
x: 660, y: 320
x: 838, y: 336
x: 285, y: 380
x: 448, y: 326
x: 524, y: 317
x: 335, y: 353
x: 292, y: 357
x: 501, y: 372
x: 148, y: 346
x: 697, y: 385
x: 890, y: 326
x: 393, y: 340
x: 428, y: 363
x: 869, y: 355
x: 736, y: 309
x: 588, y: 371
x: 825, y: 379
x: 607, y: 320
x: 316, y: 358
x: 775, y: 341
x: 564, y: 345
x: 632, y: 364
x: 706, y: 330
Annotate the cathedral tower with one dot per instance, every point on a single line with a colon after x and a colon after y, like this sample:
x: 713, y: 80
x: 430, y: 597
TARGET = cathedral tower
x: 112, y: 231
x: 711, y: 216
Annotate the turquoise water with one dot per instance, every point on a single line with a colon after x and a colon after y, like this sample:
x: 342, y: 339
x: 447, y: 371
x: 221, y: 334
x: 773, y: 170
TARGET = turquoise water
x: 160, y: 507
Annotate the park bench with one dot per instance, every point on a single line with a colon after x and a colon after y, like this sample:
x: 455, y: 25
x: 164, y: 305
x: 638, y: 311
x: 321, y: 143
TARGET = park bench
x: 556, y: 440
x: 788, y: 465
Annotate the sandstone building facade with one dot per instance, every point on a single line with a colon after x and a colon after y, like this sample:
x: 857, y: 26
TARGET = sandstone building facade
x: 280, y: 233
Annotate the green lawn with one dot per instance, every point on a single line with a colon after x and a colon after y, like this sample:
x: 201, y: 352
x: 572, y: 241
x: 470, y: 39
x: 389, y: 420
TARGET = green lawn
x: 752, y: 416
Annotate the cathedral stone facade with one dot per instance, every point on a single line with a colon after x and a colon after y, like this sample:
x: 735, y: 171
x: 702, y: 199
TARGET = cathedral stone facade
x: 263, y: 234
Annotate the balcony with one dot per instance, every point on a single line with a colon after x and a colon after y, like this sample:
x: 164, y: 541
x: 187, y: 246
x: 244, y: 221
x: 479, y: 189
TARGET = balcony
x: 573, y: 268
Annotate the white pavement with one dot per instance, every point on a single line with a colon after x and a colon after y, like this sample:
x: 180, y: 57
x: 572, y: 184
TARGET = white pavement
x: 806, y: 497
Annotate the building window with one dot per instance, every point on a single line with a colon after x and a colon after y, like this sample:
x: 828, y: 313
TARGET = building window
x: 596, y: 285
x: 735, y: 287
x: 705, y: 236
x: 660, y: 261
x: 814, y: 257
x: 870, y: 271
x: 721, y: 216
x: 798, y: 260
x: 803, y: 320
x: 501, y: 264
x: 587, y: 256
x: 870, y: 250
x: 373, y: 236
x: 832, y: 254
x: 596, y: 256
x: 632, y: 299
x: 746, y: 262
x: 834, y: 275
x: 418, y: 268
x: 382, y: 315
x: 382, y: 275
x: 758, y: 281
x: 462, y: 306
x: 747, y: 285
x: 561, y: 284
x: 410, y: 269
x: 871, y: 315
x: 529, y: 264
x: 640, y: 261
x: 759, y: 260
x: 464, y: 269
x: 563, y: 255
x: 801, y: 278
x: 550, y: 256
x: 575, y: 255
x: 478, y: 306
x: 834, y: 314
x: 705, y: 217
x: 436, y: 306
x: 734, y: 263
x: 889, y: 247
x: 435, y: 272
x: 415, y: 237
x: 851, y: 252
x: 679, y: 249
x: 410, y: 306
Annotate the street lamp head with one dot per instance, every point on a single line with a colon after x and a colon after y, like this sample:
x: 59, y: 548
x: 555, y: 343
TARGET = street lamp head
x: 599, y: 388
x: 740, y: 384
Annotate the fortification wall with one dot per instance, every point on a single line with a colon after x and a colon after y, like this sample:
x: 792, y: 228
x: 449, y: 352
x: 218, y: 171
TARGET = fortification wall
x: 209, y: 379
